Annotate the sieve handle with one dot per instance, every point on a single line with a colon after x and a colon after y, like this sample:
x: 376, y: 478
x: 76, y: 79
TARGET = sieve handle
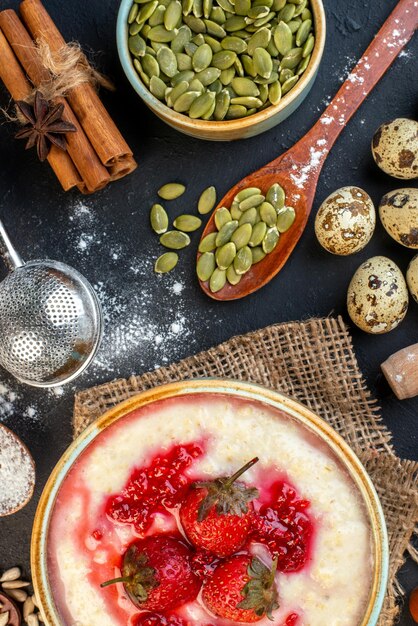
x: 10, y: 255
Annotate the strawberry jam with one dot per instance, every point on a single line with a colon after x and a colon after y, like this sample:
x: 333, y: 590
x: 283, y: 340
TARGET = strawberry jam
x: 292, y: 619
x: 161, y: 484
x: 285, y: 527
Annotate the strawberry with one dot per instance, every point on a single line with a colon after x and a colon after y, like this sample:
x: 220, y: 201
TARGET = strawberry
x: 216, y: 515
x: 155, y: 619
x: 157, y: 574
x: 242, y: 589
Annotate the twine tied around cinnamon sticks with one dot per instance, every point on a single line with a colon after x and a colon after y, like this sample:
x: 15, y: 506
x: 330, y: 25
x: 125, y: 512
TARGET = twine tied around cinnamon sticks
x: 97, y: 152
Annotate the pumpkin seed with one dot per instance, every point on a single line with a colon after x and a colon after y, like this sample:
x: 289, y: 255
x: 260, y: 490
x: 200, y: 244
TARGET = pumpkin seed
x: 234, y: 23
x: 198, y: 8
x: 232, y: 277
x: 242, y: 7
x: 208, y: 76
x: 205, y: 266
x: 246, y: 193
x: 222, y: 105
x: 171, y: 191
x: 157, y: 87
x: 166, y: 262
x: 303, y: 32
x: 288, y: 84
x: 215, y: 29
x: 294, y: 25
x: 225, y: 233
x: 175, y: 239
x: 187, y: 223
x: 213, y: 43
x: 258, y: 11
x: 161, y: 34
x: 245, y: 87
x: 243, y: 260
x: 235, y: 111
x: 227, y: 76
x: 285, y: 75
x: 270, y: 240
x: 207, y: 201
x: 247, y: 101
x: 260, y: 39
x: 187, y: 75
x: 258, y: 253
x: 172, y: 15
x: 222, y: 217
x: 262, y: 21
x: 184, y: 62
x: 250, y: 216
x: 308, y: 46
x: 195, y: 23
x: 285, y: 218
x: 202, y: 57
x: 292, y: 58
x: 233, y: 43
x: 275, y: 93
x: 264, y: 92
x: 283, y: 38
x: 150, y: 66
x: 207, y: 8
x: 235, y: 211
x: 287, y: 13
x: 225, y: 255
x: 224, y: 59
x: 196, y: 85
x: 134, y: 29
x: 263, y: 63
x: 201, y: 105
x: 276, y: 196
x: 157, y: 17
x: 303, y: 65
x: 167, y: 62
x: 217, y: 280
x: 278, y: 4
x: 226, y: 5
x: 248, y: 65
x: 159, y: 219
x: 208, y: 243
x: 183, y: 36
x: 187, y: 6
x: 258, y: 233
x: 242, y: 236
x: 145, y: 78
x: 253, y: 200
x: 133, y: 13
x: 268, y: 214
x: 185, y: 101
x: 137, y: 46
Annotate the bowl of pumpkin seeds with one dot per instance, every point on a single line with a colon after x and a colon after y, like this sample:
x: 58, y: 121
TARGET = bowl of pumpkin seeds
x: 221, y: 69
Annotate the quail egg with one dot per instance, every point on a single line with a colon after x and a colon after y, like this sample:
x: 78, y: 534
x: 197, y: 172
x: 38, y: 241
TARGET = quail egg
x: 412, y: 277
x: 395, y: 148
x: 345, y: 221
x: 398, y: 212
x: 377, y: 298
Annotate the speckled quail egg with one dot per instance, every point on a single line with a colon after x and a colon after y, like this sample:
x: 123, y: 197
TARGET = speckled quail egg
x: 412, y: 277
x: 345, y: 221
x: 377, y: 298
x: 398, y: 212
x: 395, y: 148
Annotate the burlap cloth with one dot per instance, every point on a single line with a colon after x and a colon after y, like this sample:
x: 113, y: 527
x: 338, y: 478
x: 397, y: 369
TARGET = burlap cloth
x: 313, y: 362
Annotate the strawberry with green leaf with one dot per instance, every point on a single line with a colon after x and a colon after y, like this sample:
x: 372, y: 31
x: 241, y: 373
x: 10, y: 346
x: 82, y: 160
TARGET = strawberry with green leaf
x: 242, y: 589
x: 216, y: 515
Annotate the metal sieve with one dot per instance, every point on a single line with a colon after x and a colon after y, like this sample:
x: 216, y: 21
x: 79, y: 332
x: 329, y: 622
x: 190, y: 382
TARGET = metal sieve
x: 50, y: 320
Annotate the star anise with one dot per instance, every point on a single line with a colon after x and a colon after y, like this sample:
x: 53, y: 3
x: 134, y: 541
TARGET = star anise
x: 45, y: 125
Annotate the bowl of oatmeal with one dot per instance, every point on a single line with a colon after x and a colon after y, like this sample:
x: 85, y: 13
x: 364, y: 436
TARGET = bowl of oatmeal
x: 140, y: 524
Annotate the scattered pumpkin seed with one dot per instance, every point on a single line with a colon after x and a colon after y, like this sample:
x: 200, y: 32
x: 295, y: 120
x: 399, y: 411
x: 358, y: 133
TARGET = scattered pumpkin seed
x: 207, y: 201
x: 171, y: 191
x: 225, y: 255
x: 166, y: 262
x: 217, y: 280
x: 187, y: 223
x: 285, y: 218
x: 159, y: 219
x: 222, y: 217
x: 205, y: 266
x: 208, y: 243
x: 243, y: 260
x: 175, y: 239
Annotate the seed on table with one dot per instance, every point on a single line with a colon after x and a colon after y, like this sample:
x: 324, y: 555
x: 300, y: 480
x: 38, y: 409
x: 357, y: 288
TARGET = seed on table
x: 175, y: 239
x: 285, y: 218
x: 253, y: 200
x: 225, y: 233
x: 217, y: 280
x: 258, y: 253
x: 283, y: 38
x: 225, y: 255
x: 246, y: 193
x: 10, y: 574
x: 207, y: 201
x: 243, y: 260
x: 270, y: 240
x: 276, y: 196
x: 287, y: 86
x: 171, y: 191
x: 222, y: 216
x: 223, y: 100
x: 166, y: 262
x: 250, y: 216
x: 260, y: 39
x: 187, y: 223
x: 159, y: 219
x: 208, y: 243
x: 258, y: 233
x: 242, y: 236
x: 232, y: 277
x: 205, y: 266
x: 263, y: 63
x: 202, y: 57
x: 268, y: 214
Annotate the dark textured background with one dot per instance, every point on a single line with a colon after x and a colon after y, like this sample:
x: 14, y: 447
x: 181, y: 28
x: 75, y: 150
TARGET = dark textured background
x: 109, y: 240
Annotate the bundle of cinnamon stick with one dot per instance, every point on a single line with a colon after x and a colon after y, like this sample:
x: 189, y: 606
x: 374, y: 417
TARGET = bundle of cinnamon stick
x: 97, y: 153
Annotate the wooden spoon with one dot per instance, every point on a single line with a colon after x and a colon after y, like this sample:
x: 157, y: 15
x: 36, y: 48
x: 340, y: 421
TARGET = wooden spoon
x: 298, y: 169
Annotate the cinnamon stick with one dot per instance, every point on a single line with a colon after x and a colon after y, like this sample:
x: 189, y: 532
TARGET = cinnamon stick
x: 19, y: 88
x: 97, y: 123
x: 93, y: 173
